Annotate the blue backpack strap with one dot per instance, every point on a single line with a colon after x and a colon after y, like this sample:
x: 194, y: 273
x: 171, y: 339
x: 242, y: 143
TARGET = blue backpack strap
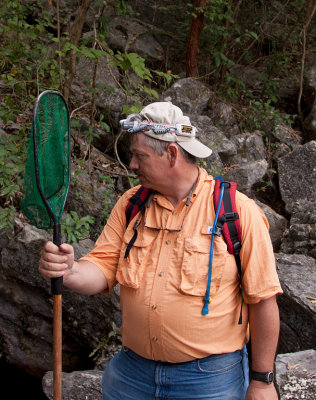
x: 136, y: 203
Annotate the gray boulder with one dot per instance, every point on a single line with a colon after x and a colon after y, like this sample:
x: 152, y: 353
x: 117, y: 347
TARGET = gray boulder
x: 191, y: 95
x: 213, y: 137
x: 300, y: 238
x: 297, y: 180
x: 286, y: 140
x: 106, y: 78
x: 222, y: 115
x: 296, y: 375
x: 297, y: 305
x: 77, y: 385
x: 297, y: 175
x: 310, y: 122
x: 110, y: 105
x: 277, y: 224
x: 250, y: 147
x: 248, y: 166
x: 247, y: 174
x: 26, y: 311
x: 127, y: 35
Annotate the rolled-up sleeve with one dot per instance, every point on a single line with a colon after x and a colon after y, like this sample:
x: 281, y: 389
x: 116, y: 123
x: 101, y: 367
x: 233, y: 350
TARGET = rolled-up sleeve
x: 106, y: 251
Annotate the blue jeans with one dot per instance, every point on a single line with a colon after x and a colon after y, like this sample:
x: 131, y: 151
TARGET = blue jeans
x: 217, y: 377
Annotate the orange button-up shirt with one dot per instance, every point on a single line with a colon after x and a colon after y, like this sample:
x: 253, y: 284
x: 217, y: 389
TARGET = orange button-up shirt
x: 163, y: 281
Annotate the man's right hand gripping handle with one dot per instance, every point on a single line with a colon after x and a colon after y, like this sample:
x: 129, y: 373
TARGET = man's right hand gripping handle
x: 56, y: 261
x: 80, y: 276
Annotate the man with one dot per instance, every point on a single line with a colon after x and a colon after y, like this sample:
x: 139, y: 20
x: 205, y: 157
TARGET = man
x: 170, y: 350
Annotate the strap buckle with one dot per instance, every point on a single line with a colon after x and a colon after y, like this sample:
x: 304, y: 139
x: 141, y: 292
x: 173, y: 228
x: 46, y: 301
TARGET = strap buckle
x: 229, y: 217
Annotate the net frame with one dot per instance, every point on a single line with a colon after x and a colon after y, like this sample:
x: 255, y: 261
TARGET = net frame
x: 44, y: 206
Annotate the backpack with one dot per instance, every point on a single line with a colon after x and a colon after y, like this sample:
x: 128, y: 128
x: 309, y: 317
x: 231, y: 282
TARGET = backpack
x: 226, y: 220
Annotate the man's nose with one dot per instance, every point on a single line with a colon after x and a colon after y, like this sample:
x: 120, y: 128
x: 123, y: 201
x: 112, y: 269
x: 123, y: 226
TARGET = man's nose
x: 133, y: 163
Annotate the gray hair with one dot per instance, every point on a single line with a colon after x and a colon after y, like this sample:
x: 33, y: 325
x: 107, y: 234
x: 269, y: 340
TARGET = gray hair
x: 160, y: 146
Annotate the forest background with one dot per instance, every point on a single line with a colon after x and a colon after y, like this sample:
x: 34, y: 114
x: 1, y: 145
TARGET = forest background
x: 251, y: 55
x: 41, y: 42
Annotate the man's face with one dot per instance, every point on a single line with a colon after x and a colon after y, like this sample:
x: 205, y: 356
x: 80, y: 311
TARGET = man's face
x: 149, y: 167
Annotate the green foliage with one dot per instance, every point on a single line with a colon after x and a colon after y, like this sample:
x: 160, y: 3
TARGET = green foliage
x: 102, y: 348
x: 24, y: 56
x: 75, y: 228
x: 6, y: 218
x: 12, y: 157
x: 109, y: 199
x: 134, y: 108
x: 214, y: 170
x: 232, y: 89
x: 263, y: 116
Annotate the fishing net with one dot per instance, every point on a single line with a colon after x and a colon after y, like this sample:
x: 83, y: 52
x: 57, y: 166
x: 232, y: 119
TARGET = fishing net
x: 47, y: 169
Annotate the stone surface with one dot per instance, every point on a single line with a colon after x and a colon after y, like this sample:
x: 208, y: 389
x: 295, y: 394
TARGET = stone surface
x: 222, y: 115
x: 300, y: 238
x: 77, y: 385
x: 127, y: 35
x: 296, y: 375
x: 297, y: 274
x: 247, y: 174
x: 106, y: 78
x: 26, y: 309
x: 277, y: 224
x: 310, y: 122
x: 297, y: 175
x: 297, y: 179
x: 191, y: 95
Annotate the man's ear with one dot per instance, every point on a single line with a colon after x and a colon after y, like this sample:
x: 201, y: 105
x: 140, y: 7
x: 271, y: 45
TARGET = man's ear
x: 172, y: 154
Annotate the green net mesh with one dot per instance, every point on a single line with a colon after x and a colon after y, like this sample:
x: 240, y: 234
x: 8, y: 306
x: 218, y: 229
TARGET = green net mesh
x: 50, y: 151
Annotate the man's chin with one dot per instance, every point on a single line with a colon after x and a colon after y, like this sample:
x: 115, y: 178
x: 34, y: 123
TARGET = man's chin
x: 144, y: 183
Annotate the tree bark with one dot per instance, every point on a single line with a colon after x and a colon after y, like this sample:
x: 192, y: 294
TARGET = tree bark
x: 192, y: 49
x: 74, y: 37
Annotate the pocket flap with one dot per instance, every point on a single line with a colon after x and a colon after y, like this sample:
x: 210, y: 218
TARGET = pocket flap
x: 198, y: 244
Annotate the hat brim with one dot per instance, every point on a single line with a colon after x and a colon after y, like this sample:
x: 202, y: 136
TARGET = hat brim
x: 196, y: 148
x: 189, y: 144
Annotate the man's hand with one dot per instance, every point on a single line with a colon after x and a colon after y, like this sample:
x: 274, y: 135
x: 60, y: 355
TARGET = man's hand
x: 56, y: 261
x: 261, y: 391
x: 80, y: 276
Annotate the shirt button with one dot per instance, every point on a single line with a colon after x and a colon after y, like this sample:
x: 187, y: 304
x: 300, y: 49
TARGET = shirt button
x: 155, y: 339
x: 174, y: 213
x: 160, y: 274
x: 168, y: 242
x: 154, y: 306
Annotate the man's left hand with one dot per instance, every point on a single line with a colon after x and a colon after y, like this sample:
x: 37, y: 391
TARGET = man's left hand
x: 261, y: 391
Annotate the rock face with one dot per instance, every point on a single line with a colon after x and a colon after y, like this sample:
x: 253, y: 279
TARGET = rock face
x: 277, y: 224
x: 133, y: 37
x: 26, y: 308
x: 297, y: 305
x: 189, y: 94
x: 296, y: 375
x: 77, y: 385
x: 297, y: 177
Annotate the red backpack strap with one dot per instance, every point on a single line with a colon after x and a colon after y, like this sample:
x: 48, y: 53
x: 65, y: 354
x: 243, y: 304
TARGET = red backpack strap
x: 136, y: 203
x: 228, y: 223
x: 228, y: 219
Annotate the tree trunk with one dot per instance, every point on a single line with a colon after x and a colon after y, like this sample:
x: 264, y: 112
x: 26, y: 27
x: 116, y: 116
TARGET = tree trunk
x: 74, y: 37
x: 192, y: 50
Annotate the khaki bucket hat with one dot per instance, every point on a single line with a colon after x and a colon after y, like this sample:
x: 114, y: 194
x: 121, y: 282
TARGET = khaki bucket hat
x: 168, y: 113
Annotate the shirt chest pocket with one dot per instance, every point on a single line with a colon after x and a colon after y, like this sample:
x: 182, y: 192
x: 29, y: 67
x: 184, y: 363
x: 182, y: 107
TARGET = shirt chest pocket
x: 130, y: 270
x: 195, y: 265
